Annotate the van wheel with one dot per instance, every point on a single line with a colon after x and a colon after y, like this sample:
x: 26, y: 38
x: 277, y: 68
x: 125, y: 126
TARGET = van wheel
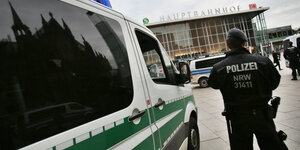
x: 203, y: 82
x: 193, y: 139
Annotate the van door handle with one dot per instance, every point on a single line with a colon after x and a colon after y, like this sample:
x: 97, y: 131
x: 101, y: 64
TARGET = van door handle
x: 137, y: 115
x: 159, y: 103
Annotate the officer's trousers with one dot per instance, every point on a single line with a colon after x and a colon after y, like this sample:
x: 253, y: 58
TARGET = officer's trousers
x: 295, y: 67
x: 245, y: 124
x: 294, y: 72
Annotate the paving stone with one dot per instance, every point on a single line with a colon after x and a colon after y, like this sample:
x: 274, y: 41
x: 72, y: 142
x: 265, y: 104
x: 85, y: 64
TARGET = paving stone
x: 205, y: 133
x: 293, y: 123
x: 215, y: 144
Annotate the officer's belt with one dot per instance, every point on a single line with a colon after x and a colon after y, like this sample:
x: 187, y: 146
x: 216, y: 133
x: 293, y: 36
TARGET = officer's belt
x: 253, y: 110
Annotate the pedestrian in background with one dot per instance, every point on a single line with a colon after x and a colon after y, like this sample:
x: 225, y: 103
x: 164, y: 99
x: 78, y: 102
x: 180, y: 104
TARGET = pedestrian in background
x: 279, y: 53
x: 292, y: 54
x: 246, y: 82
x: 276, y: 56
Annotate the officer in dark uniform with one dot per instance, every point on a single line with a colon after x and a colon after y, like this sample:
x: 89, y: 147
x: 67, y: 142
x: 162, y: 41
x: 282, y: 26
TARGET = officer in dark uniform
x: 246, y: 82
x: 276, y: 56
x: 293, y: 55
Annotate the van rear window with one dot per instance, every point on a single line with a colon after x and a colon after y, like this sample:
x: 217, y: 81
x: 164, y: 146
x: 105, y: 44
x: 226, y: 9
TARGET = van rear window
x: 53, y: 56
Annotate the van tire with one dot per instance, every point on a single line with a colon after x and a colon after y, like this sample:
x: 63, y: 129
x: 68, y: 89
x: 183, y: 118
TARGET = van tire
x: 193, y: 135
x: 203, y: 82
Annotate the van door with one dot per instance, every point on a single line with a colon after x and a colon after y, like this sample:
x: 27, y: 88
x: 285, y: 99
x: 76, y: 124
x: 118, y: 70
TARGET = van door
x: 167, y: 99
x: 54, y: 54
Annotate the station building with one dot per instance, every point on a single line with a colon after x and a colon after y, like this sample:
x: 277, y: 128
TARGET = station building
x: 203, y: 34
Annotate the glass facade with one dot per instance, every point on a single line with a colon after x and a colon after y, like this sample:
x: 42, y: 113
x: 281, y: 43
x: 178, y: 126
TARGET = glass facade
x: 187, y: 40
x: 260, y: 29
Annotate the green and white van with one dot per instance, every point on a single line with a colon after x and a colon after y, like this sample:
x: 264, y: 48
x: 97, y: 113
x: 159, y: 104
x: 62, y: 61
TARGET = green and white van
x: 73, y: 75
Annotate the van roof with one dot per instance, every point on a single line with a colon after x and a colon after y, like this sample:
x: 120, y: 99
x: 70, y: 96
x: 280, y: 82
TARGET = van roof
x: 210, y: 57
x: 100, y: 6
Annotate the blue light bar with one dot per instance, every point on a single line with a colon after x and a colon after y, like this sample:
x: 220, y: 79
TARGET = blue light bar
x: 104, y: 2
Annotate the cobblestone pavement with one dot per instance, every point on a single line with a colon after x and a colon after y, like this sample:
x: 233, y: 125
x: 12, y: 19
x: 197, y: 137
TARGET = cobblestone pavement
x: 212, y: 126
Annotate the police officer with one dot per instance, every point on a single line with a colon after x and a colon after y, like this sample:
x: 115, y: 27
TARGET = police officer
x: 276, y: 56
x: 293, y: 55
x: 246, y: 82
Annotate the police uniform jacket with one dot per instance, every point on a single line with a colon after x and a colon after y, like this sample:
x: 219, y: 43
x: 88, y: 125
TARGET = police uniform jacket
x: 293, y: 55
x: 275, y: 57
x: 244, y: 79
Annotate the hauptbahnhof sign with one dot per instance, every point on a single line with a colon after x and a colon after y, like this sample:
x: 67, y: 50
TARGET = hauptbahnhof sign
x: 202, y: 13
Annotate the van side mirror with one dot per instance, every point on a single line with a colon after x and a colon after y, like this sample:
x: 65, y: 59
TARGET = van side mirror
x: 185, y: 73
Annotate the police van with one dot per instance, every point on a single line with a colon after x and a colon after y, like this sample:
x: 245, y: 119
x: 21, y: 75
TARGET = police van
x: 74, y: 75
x: 201, y: 68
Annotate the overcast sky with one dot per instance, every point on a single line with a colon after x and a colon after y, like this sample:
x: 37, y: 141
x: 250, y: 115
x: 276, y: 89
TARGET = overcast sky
x: 281, y: 12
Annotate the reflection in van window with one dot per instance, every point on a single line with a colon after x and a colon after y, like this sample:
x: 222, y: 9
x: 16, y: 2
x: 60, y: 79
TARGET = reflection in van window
x: 60, y: 67
x: 152, y: 57
x: 160, y: 67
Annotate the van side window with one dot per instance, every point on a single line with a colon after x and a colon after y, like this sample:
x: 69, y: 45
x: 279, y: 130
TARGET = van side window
x: 55, y: 56
x: 155, y: 60
x: 207, y: 63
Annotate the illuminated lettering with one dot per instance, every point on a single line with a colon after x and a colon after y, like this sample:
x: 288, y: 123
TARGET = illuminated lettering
x: 202, y: 13
x: 209, y: 12
x: 195, y: 13
x: 176, y: 16
x: 189, y: 14
x: 218, y: 11
x: 225, y: 10
x: 182, y: 15
x: 162, y: 18
x: 232, y: 8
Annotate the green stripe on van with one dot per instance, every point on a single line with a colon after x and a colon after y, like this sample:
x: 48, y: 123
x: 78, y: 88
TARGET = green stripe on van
x: 167, y: 130
x: 147, y: 144
x: 109, y: 138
